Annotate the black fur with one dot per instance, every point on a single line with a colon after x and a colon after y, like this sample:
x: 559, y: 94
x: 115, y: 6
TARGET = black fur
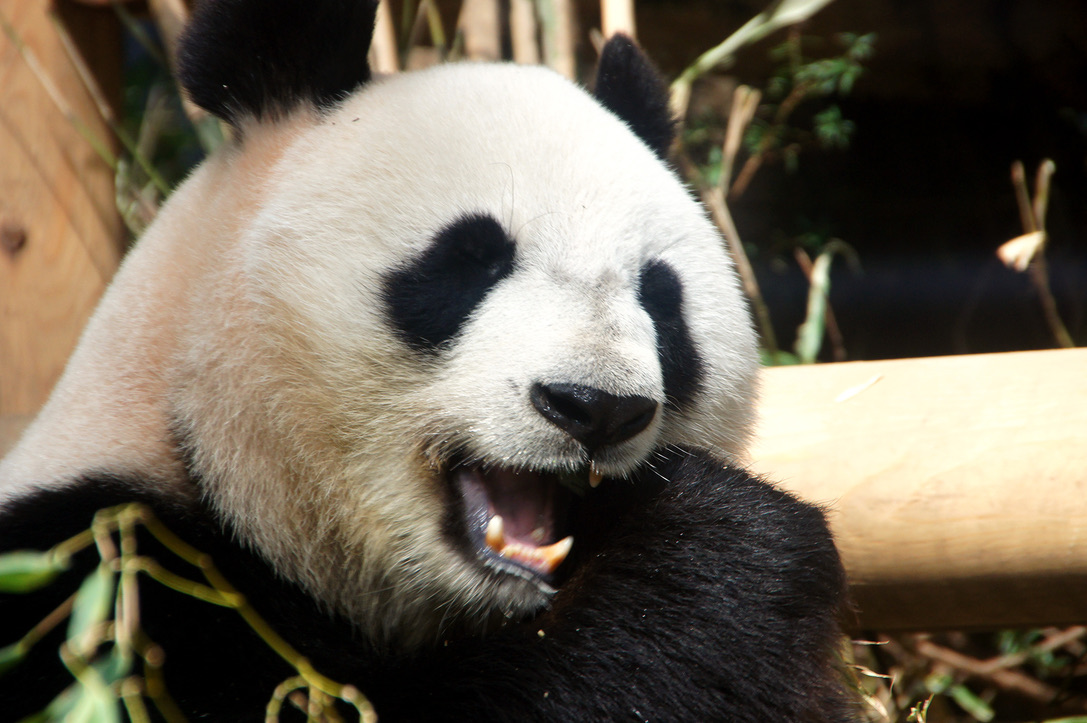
x: 430, y: 299
x: 660, y: 293
x: 702, y: 594
x: 260, y: 58
x: 629, y: 86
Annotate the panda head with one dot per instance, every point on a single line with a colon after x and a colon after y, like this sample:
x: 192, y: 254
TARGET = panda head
x: 394, y: 309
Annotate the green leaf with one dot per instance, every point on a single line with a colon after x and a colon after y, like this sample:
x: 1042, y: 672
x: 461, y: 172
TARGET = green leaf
x: 832, y: 130
x: 11, y: 655
x: 972, y: 704
x: 809, y: 337
x: 58, y: 709
x: 114, y: 667
x: 90, y: 700
x: 93, y: 603
x: 27, y: 570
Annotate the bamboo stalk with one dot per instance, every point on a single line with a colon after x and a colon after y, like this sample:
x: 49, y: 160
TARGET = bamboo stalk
x: 1032, y: 217
x: 524, y: 32
x: 383, y: 55
x: 557, y: 23
x: 715, y: 201
x: 479, y: 26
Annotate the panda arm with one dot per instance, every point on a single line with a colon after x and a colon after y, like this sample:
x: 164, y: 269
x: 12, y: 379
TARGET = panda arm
x: 216, y: 668
x: 708, y: 596
x: 713, y: 596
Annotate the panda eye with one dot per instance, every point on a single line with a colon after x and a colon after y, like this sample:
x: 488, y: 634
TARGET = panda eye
x: 430, y: 299
x: 660, y: 293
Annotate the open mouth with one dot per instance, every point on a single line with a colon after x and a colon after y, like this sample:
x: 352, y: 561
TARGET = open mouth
x: 521, y: 521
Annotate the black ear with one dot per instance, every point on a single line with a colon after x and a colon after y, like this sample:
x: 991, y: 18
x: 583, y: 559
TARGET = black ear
x: 260, y: 58
x: 629, y: 86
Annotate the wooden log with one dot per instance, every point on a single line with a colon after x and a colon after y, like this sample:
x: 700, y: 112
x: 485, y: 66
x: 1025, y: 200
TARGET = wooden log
x: 60, y: 233
x: 956, y: 486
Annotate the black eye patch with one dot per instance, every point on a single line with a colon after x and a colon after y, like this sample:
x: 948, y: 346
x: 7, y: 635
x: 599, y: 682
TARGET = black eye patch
x: 660, y: 293
x: 429, y: 300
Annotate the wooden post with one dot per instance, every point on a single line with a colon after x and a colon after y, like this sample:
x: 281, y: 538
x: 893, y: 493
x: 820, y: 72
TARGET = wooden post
x: 956, y: 486
x: 479, y: 22
x: 617, y: 16
x: 60, y: 233
x: 524, y: 31
x: 383, y: 53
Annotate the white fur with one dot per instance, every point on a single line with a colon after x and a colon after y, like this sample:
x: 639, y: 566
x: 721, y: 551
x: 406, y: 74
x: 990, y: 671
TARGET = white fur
x: 250, y: 317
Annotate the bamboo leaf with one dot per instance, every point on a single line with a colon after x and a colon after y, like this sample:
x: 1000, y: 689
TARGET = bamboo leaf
x: 11, y: 655
x: 93, y: 603
x: 95, y: 702
x: 972, y: 704
x: 27, y: 570
x: 809, y: 337
x: 1021, y: 250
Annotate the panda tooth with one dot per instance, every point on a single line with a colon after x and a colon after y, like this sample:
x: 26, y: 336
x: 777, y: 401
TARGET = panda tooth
x: 544, y: 559
x: 496, y: 536
x: 553, y: 555
x: 594, y: 476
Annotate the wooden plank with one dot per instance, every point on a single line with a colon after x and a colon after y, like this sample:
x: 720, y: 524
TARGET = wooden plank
x: 60, y: 233
x: 956, y: 486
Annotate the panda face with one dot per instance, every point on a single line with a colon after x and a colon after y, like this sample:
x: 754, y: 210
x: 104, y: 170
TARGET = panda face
x: 399, y: 330
x: 466, y: 293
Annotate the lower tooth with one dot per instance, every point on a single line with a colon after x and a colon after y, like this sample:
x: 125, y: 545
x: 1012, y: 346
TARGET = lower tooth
x: 556, y: 553
x: 546, y: 559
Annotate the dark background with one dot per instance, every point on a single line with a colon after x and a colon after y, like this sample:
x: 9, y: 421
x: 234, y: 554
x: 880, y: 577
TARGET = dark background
x: 956, y: 91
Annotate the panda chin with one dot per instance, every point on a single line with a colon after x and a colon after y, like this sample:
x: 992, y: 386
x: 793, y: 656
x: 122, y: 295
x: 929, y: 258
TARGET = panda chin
x: 518, y: 521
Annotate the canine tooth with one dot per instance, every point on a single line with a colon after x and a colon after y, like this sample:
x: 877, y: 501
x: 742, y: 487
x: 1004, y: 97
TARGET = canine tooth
x: 544, y: 559
x: 496, y: 535
x: 553, y: 555
x: 594, y: 476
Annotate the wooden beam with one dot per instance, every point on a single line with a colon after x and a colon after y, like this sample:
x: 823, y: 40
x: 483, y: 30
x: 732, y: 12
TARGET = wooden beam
x: 60, y: 233
x: 956, y: 486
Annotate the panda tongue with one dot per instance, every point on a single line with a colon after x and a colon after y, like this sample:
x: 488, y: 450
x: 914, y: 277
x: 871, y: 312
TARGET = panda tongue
x: 545, y: 559
x: 526, y: 503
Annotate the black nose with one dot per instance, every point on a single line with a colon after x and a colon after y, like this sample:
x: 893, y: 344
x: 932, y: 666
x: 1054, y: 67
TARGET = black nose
x: 592, y: 416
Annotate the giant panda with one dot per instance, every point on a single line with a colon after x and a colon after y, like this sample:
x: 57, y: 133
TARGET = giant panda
x: 452, y: 379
